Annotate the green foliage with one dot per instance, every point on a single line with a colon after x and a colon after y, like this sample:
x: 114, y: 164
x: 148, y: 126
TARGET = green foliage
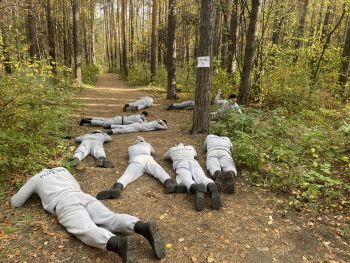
x: 139, y: 74
x: 35, y: 118
x: 90, y: 73
x: 302, y: 155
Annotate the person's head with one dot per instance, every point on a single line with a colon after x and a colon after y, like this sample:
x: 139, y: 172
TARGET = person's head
x: 145, y: 113
x: 179, y: 144
x: 97, y: 131
x: 140, y: 139
x: 232, y: 98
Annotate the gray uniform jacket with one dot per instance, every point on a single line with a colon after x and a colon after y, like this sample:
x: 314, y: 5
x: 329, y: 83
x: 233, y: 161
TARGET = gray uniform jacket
x: 181, y: 153
x: 142, y: 103
x: 214, y: 142
x: 50, y: 185
x: 139, y: 127
x: 118, y: 120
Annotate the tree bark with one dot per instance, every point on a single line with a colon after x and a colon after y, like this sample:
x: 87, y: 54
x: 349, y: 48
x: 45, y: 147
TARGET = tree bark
x: 32, y: 33
x: 250, y: 52
x: 344, y: 67
x: 51, y: 37
x: 76, y: 41
x: 92, y: 29
x: 171, y: 51
x: 301, y: 25
x: 201, y: 114
x: 123, y: 35
x: 232, y: 46
x: 132, y: 32
x: 154, y: 41
x: 225, y: 33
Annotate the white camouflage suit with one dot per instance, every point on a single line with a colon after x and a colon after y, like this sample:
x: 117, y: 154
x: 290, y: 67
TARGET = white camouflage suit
x: 81, y: 214
x: 140, y: 162
x: 143, y: 102
x: 91, y: 144
x: 188, y: 171
x: 118, y: 120
x: 139, y: 127
x: 219, y: 154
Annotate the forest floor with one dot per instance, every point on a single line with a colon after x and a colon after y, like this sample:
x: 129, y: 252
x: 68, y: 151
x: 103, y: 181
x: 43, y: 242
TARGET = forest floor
x: 254, y: 225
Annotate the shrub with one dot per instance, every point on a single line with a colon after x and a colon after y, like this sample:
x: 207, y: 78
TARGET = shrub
x: 35, y: 118
x: 90, y: 73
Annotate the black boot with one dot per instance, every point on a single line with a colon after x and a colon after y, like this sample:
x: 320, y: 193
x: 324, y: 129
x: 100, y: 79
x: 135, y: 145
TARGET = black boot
x: 214, y: 196
x: 109, y: 132
x: 112, y: 193
x: 102, y: 162
x: 151, y: 232
x: 170, y: 107
x: 170, y: 186
x: 230, y: 182
x: 219, y: 178
x: 85, y: 121
x: 200, y: 194
x: 182, y: 189
x: 124, y: 247
x: 74, y: 161
x: 125, y: 107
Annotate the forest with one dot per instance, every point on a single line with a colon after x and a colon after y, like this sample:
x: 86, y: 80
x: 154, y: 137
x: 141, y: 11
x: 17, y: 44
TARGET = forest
x: 287, y: 62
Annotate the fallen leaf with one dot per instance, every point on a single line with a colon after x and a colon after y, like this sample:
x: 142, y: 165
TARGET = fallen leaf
x: 168, y: 245
x: 210, y: 259
x: 194, y: 259
x: 181, y: 239
x: 185, y: 248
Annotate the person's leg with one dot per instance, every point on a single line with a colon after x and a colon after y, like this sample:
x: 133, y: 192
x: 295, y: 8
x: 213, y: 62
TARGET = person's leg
x: 120, y: 129
x: 77, y: 221
x: 154, y: 169
x: 98, y: 121
x: 98, y: 151
x: 214, y: 168
x: 126, y: 224
x: 201, y: 179
x: 230, y: 171
x: 132, y: 172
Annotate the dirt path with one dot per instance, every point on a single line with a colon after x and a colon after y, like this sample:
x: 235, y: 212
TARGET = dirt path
x: 252, y: 226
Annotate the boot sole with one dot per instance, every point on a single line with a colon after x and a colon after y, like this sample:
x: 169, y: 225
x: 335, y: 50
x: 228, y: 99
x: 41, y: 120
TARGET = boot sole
x: 200, y: 194
x: 215, y: 201
x: 220, y: 184
x: 130, y: 256
x: 158, y: 240
x: 230, y: 183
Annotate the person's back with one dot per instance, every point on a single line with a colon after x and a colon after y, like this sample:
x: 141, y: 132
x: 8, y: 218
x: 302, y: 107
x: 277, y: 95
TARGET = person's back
x: 140, y: 148
x: 181, y: 153
x: 50, y: 185
x: 97, y: 136
x: 214, y: 142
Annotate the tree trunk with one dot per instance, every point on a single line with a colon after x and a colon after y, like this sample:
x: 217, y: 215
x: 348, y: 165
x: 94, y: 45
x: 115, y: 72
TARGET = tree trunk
x: 32, y: 33
x: 132, y: 30
x: 250, y: 52
x: 123, y: 29
x: 76, y: 41
x: 232, y: 47
x: 301, y: 25
x: 171, y: 51
x: 86, y: 50
x: 4, y: 45
x: 154, y: 41
x: 92, y: 29
x: 344, y: 67
x: 201, y: 114
x: 225, y: 32
x: 326, y: 22
x: 51, y: 37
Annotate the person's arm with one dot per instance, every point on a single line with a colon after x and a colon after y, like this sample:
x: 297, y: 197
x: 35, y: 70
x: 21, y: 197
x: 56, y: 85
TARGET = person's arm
x: 167, y: 154
x: 152, y: 149
x: 107, y: 138
x: 24, y: 192
x: 78, y: 139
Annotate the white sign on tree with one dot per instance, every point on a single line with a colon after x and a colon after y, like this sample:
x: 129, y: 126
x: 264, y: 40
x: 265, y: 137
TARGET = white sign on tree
x: 203, y: 62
